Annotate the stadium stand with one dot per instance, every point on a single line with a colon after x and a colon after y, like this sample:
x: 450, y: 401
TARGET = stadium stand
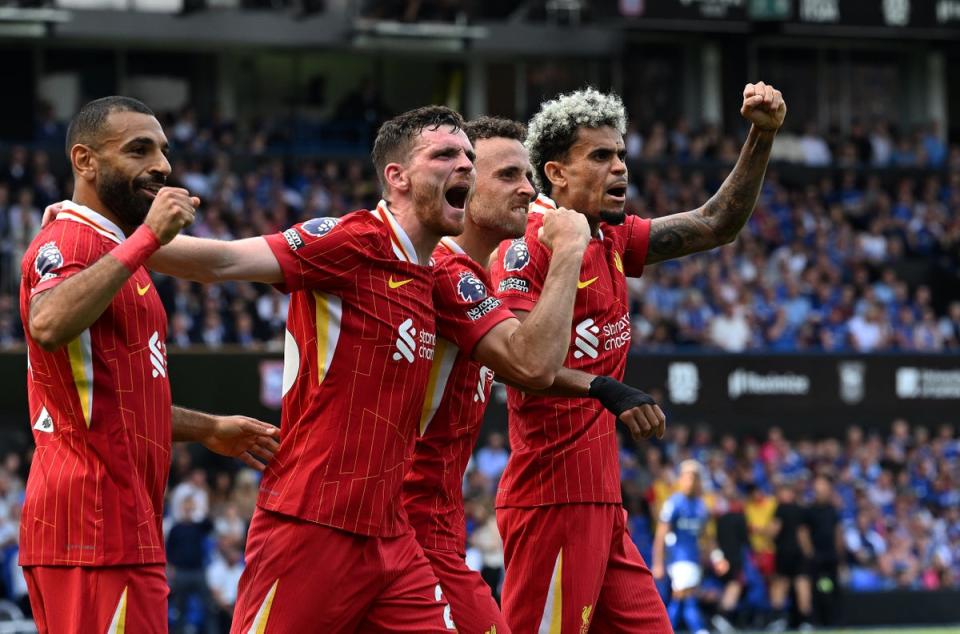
x: 835, y: 258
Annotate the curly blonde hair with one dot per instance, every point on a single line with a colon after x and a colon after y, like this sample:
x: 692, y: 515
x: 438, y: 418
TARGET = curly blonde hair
x: 553, y: 130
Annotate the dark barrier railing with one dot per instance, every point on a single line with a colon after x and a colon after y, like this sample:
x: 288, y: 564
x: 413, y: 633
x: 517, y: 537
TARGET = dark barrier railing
x: 809, y: 395
x: 890, y: 607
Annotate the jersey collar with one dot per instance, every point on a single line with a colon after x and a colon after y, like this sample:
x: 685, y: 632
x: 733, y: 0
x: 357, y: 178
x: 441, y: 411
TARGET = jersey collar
x: 70, y: 210
x: 450, y: 245
x: 399, y: 240
x: 544, y: 202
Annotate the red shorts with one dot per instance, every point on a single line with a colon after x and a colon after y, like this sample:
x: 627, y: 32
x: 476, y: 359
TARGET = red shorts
x: 766, y: 563
x: 573, y: 568
x: 98, y: 599
x: 306, y: 577
x: 472, y: 605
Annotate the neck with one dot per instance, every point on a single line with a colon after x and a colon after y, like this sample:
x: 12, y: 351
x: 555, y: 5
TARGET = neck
x: 88, y: 198
x: 478, y: 242
x: 424, y: 241
x: 563, y: 199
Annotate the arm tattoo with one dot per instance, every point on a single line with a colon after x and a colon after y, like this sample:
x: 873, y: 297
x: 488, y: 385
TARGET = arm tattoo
x: 723, y: 216
x: 679, y: 234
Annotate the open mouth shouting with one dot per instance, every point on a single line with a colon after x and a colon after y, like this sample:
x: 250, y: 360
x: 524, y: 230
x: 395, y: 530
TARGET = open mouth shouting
x: 456, y: 196
x: 618, y: 192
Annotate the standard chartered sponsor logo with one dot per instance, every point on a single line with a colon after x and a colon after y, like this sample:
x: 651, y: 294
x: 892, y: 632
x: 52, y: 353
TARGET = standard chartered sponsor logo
x: 928, y: 383
x: 158, y: 355
x: 590, y: 338
x: 486, y: 374
x: 586, y: 340
x: 744, y: 382
x: 407, y: 343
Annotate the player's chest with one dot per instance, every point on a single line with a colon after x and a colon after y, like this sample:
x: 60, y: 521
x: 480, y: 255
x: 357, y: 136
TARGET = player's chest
x: 601, y: 317
x: 136, y: 310
x: 390, y: 311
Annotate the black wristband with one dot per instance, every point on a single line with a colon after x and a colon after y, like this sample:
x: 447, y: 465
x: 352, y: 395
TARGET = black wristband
x: 618, y: 397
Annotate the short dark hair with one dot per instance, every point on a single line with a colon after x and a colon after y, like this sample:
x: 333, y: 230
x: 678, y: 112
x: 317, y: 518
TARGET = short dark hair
x: 395, y: 136
x: 87, y: 125
x: 495, y: 128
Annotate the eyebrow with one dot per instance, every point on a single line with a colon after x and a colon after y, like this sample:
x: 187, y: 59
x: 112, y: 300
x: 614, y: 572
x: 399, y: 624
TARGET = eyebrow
x: 145, y: 140
x: 452, y: 150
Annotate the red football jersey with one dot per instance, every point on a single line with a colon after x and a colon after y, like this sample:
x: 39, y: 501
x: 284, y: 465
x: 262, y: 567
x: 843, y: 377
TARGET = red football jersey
x: 565, y: 449
x: 457, y: 394
x: 100, y: 411
x: 359, y: 346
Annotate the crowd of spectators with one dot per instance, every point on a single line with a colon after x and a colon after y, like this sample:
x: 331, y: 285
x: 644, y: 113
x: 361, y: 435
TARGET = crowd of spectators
x: 840, y: 263
x: 895, y: 497
x: 883, y: 509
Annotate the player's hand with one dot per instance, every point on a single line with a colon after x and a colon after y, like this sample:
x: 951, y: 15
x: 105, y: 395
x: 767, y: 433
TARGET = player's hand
x: 172, y: 210
x: 250, y: 441
x: 763, y: 106
x: 645, y: 421
x: 659, y: 572
x: 50, y: 214
x: 564, y: 228
x: 634, y: 408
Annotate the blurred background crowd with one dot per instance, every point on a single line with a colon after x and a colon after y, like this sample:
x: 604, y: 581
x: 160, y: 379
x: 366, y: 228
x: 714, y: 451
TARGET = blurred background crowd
x: 858, y: 253
x: 894, y: 495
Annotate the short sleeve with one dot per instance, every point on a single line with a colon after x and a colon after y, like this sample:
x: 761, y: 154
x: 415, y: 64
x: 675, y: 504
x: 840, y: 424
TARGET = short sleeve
x: 466, y: 309
x: 321, y: 252
x: 666, y: 511
x: 62, y: 250
x: 519, y: 271
x: 636, y: 243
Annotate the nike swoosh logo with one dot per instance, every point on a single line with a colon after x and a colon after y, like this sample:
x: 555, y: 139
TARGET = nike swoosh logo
x: 142, y: 290
x: 392, y: 284
x: 584, y: 284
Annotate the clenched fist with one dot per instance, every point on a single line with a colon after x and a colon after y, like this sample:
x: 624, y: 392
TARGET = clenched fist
x: 763, y: 106
x: 172, y: 210
x: 564, y: 228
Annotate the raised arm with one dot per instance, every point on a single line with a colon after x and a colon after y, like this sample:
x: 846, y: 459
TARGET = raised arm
x: 723, y: 216
x: 206, y: 260
x: 59, y: 315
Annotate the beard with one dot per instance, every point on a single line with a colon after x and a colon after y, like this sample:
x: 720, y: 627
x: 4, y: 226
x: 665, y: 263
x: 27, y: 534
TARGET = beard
x: 123, y: 197
x: 613, y: 217
x: 503, y: 223
x: 428, y: 206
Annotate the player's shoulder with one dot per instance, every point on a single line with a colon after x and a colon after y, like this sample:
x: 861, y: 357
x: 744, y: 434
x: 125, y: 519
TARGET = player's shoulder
x: 61, y: 234
x: 358, y: 227
x: 449, y: 255
x: 622, y: 231
x: 466, y: 274
x: 677, y: 499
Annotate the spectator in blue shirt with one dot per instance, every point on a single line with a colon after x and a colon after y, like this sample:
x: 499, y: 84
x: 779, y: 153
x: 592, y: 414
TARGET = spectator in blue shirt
x: 676, y: 546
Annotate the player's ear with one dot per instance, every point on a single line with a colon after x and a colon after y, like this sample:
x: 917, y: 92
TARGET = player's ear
x: 396, y: 177
x: 84, y: 161
x: 555, y: 173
